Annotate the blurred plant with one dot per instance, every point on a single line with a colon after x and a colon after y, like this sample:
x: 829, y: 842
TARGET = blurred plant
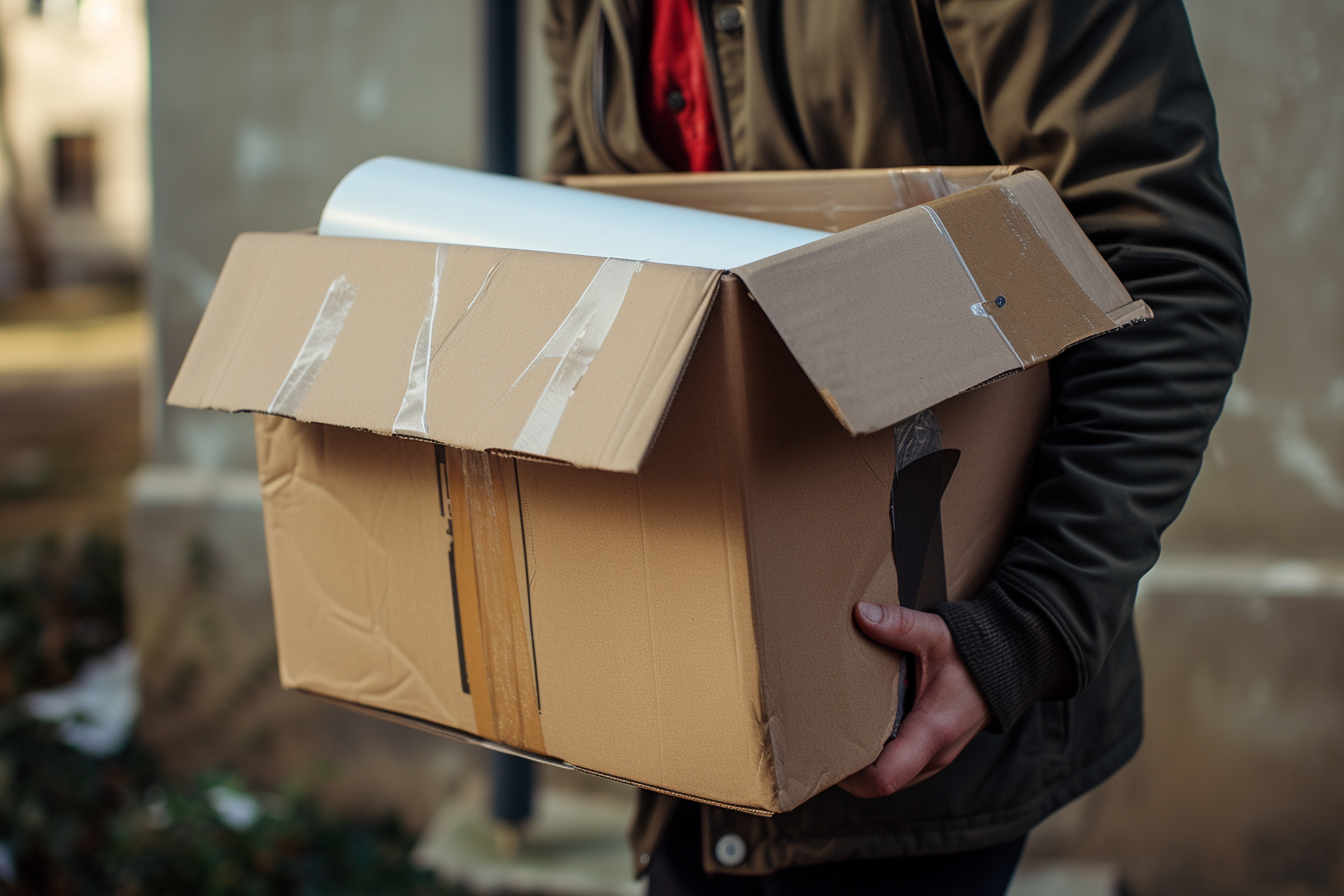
x: 73, y: 823
x: 58, y: 608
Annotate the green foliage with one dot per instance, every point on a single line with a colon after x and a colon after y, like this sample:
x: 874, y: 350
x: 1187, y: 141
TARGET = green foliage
x: 75, y: 824
x: 58, y: 608
x: 178, y: 842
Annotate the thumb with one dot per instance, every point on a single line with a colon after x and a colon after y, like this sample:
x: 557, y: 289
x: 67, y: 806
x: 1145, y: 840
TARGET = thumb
x: 909, y: 630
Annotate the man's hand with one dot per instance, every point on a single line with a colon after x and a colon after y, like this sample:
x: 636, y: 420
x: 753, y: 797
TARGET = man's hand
x: 948, y: 709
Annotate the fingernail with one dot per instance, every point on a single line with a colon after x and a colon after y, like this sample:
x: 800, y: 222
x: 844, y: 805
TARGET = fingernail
x: 870, y: 612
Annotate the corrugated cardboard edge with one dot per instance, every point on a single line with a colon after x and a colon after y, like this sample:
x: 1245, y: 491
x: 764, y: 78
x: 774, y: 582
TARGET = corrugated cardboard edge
x: 672, y: 187
x: 469, y: 738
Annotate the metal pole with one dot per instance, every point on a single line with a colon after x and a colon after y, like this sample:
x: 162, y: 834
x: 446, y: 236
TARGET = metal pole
x: 511, y: 778
x: 501, y: 86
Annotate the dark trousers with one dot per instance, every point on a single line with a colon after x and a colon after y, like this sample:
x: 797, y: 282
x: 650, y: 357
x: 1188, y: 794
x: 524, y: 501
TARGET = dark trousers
x: 677, y: 871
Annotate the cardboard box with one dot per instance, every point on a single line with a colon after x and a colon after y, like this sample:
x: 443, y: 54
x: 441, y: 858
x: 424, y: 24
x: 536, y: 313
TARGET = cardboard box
x: 641, y: 560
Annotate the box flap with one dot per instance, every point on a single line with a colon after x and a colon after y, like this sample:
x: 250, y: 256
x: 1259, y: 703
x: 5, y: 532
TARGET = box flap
x: 894, y: 316
x: 830, y: 200
x: 487, y: 349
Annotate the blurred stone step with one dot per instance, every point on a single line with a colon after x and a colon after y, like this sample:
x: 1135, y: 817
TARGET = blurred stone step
x: 1042, y: 878
x: 575, y: 844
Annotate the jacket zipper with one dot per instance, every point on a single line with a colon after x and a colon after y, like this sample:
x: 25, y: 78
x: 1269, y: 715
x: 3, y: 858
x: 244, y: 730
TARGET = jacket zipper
x: 928, y: 117
x: 600, y: 92
x: 718, y: 99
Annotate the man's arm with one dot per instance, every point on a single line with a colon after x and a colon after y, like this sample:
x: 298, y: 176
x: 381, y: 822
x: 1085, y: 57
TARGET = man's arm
x: 1108, y: 99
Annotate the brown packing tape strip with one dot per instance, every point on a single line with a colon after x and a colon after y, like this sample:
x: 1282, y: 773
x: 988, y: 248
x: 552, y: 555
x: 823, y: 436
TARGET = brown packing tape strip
x: 495, y: 633
x: 1036, y: 303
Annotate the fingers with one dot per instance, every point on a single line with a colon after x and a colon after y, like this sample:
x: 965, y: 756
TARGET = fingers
x: 909, y: 756
x: 925, y: 745
x: 910, y: 630
x: 949, y: 709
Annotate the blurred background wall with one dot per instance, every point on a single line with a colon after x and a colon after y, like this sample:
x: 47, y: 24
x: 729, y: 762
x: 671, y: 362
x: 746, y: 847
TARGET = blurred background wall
x: 1237, y: 787
x: 256, y: 110
x: 75, y: 158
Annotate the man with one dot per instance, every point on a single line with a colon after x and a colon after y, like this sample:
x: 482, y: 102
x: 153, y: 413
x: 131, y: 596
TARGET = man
x: 1029, y: 693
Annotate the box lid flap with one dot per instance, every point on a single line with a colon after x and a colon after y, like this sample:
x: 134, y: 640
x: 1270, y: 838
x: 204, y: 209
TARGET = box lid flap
x: 486, y: 349
x: 831, y: 200
x: 894, y: 316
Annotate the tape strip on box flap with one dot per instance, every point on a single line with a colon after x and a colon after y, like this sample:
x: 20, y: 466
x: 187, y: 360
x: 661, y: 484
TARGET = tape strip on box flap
x: 316, y: 347
x: 575, y: 343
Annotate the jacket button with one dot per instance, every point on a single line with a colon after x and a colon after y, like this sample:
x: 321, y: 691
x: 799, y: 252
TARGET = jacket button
x: 730, y: 851
x: 728, y: 18
x: 676, y: 101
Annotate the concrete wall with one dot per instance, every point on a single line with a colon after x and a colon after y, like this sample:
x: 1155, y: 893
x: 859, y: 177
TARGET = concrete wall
x: 1237, y: 788
x: 79, y: 70
x: 257, y: 109
x: 1274, y: 476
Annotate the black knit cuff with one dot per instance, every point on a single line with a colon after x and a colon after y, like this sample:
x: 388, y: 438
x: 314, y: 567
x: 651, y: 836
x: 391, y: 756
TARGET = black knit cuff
x: 1014, y: 655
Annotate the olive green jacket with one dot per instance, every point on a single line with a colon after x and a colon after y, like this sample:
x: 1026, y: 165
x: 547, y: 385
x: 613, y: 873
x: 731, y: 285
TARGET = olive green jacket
x: 1107, y: 98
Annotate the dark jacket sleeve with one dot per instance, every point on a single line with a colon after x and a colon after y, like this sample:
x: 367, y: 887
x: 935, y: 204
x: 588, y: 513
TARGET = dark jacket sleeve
x: 1108, y: 99
x: 560, y: 28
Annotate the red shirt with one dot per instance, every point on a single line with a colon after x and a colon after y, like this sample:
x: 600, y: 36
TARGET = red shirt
x: 674, y: 102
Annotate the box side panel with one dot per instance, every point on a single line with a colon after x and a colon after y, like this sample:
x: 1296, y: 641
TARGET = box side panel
x: 820, y: 541
x: 641, y: 607
x: 996, y: 428
x: 359, y: 555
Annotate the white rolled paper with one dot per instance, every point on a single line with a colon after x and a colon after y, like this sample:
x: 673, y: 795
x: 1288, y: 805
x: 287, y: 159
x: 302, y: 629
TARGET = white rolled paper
x: 401, y: 199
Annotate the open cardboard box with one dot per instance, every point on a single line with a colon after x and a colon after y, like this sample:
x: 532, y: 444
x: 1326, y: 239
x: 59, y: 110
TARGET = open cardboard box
x: 641, y: 560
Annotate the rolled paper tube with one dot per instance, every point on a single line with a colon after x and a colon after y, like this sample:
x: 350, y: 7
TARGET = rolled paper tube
x: 401, y: 199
